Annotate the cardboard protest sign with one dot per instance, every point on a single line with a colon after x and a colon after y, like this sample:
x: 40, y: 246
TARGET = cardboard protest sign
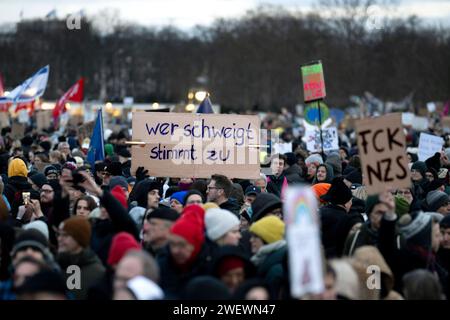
x: 18, y: 130
x: 4, y: 119
x: 303, y: 237
x: 313, y: 81
x: 407, y: 118
x: 445, y: 123
x: 43, y: 120
x: 420, y: 123
x: 382, y: 148
x: 330, y: 139
x: 429, y: 145
x: 196, y: 145
x: 282, y: 148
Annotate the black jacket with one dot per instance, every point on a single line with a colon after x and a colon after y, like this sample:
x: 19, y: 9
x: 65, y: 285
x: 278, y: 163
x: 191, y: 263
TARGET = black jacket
x: 13, y: 191
x: 104, y: 230
x: 173, y: 280
x: 275, y: 184
x: 231, y: 205
x: 403, y: 258
x: 336, y: 224
x: 365, y: 236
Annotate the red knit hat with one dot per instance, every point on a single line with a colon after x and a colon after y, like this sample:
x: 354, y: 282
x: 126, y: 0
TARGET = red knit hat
x: 191, y: 227
x: 230, y: 263
x: 120, y: 195
x: 120, y: 245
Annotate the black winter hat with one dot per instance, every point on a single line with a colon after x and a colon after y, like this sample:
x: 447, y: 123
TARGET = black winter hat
x: 355, y: 177
x: 164, y: 214
x: 114, y: 168
x: 434, y: 162
x: 38, y: 179
x: 338, y: 193
x: 264, y: 202
x: 46, y: 145
x: 30, y: 238
x: 445, y: 223
x: 420, y: 166
x: 290, y: 158
x: 44, y: 281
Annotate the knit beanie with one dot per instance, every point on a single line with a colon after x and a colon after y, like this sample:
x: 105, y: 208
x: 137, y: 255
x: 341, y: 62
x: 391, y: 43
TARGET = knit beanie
x: 209, y: 205
x: 445, y: 223
x: 78, y: 228
x: 334, y: 160
x: 120, y: 245
x: 17, y: 168
x: 38, y: 179
x: 38, y: 225
x: 416, y: 228
x: 270, y: 229
x: 355, y: 177
x: 314, y: 158
x: 218, y: 222
x: 120, y: 195
x: 179, y: 196
x: 30, y: 238
x: 191, y: 227
x: 434, y: 162
x: 109, y: 149
x: 320, y: 189
x: 436, y: 199
x: 118, y: 181
x: 401, y: 205
x: 338, y: 193
x: 371, y: 202
x: 420, y: 166
x: 263, y: 203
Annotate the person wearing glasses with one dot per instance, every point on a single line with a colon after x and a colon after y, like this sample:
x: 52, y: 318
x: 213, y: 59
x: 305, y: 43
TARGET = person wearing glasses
x: 219, y: 190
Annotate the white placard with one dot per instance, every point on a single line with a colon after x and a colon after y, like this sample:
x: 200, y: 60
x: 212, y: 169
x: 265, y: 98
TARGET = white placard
x: 330, y: 139
x: 429, y: 145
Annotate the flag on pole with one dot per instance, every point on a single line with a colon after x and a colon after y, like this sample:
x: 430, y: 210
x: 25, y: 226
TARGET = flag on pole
x: 75, y: 94
x: 30, y: 89
x: 2, y: 89
x: 205, y: 106
x: 97, y: 148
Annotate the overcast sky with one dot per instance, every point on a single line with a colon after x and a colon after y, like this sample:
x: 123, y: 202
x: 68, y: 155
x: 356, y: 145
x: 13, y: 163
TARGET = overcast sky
x: 187, y: 13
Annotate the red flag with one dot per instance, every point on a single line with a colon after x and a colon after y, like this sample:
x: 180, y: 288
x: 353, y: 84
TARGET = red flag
x: 75, y: 94
x: 25, y: 105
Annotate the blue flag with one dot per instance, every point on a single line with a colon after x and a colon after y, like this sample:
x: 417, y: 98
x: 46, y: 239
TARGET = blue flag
x: 205, y: 106
x: 97, y: 148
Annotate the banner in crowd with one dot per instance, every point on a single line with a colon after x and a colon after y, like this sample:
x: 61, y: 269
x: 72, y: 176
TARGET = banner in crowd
x: 382, y: 148
x: 303, y: 237
x: 330, y: 139
x: 43, y: 119
x: 429, y: 145
x: 196, y: 145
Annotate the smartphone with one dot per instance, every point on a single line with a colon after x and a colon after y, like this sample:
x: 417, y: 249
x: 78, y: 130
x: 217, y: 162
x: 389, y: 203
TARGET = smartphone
x: 26, y: 198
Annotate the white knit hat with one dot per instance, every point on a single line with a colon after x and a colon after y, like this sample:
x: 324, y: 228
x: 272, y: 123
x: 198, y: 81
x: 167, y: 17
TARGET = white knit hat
x: 145, y: 289
x: 218, y: 222
x: 38, y: 225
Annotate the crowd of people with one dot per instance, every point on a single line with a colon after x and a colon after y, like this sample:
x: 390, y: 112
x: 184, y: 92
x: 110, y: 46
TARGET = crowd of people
x: 70, y: 230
